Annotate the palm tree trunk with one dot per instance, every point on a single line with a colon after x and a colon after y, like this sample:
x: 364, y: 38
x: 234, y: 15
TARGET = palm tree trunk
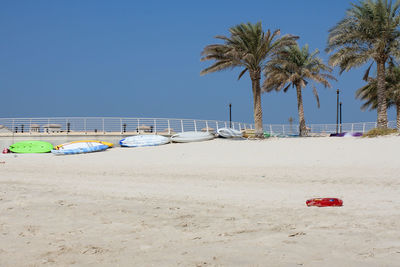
x: 398, y: 116
x: 382, y: 105
x: 255, y: 82
x: 302, y: 126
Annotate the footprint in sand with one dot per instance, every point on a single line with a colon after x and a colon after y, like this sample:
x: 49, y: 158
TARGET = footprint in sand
x: 94, y: 250
x: 296, y: 234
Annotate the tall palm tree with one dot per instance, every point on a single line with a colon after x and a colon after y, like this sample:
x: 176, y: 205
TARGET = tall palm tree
x: 369, y: 32
x: 368, y: 93
x: 296, y: 67
x: 247, y: 47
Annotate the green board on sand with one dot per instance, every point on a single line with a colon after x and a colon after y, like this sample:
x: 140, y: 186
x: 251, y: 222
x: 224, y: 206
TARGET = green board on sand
x: 31, y: 147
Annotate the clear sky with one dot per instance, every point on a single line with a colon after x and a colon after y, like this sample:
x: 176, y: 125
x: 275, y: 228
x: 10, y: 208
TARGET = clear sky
x: 142, y: 59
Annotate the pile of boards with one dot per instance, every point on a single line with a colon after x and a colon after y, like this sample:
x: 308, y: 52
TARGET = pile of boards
x: 87, y: 146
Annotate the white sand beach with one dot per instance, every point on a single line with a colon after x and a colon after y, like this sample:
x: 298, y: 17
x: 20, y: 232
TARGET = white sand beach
x: 214, y: 203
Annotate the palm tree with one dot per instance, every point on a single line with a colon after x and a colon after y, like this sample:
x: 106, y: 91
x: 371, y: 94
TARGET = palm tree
x: 296, y: 67
x: 247, y: 47
x: 369, y: 32
x: 368, y: 93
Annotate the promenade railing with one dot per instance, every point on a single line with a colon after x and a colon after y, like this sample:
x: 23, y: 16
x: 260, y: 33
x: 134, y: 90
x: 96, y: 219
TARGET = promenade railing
x: 288, y: 129
x: 122, y: 125
x: 113, y: 125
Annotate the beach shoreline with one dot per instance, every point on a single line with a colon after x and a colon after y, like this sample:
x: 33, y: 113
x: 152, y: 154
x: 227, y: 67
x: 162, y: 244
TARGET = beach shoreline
x: 213, y: 203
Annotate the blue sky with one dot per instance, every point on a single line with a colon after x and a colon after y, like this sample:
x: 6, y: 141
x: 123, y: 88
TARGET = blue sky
x: 142, y: 59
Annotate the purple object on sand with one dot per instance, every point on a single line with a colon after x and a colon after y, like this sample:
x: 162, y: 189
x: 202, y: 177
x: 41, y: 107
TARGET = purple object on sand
x: 353, y: 134
x: 347, y: 134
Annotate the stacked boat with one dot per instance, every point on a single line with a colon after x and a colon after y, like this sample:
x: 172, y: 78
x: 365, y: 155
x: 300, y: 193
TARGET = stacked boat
x: 144, y: 140
x: 31, y: 147
x: 156, y: 140
x: 79, y: 147
x: 229, y: 133
x: 188, y: 137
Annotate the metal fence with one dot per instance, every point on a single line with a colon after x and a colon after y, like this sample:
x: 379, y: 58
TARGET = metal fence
x: 113, y: 125
x: 287, y: 129
x: 104, y: 125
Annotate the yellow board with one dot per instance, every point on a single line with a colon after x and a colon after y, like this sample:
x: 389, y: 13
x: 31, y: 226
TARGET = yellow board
x: 248, y: 133
x: 84, y: 141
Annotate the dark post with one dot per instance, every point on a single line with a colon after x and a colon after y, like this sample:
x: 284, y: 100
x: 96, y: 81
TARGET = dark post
x: 340, y: 112
x: 68, y: 127
x: 230, y: 115
x: 291, y: 125
x: 124, y: 128
x: 22, y: 128
x: 337, y: 111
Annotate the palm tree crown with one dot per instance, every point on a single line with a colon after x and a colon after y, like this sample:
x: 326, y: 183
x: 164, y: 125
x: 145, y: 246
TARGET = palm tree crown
x: 370, y: 31
x: 296, y: 67
x: 248, y: 47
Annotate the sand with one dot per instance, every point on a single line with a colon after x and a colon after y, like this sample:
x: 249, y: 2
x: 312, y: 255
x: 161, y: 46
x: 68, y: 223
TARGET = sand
x: 214, y: 203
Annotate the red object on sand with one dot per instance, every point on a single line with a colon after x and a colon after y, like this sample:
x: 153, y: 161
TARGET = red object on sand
x: 324, y: 202
x: 5, y: 151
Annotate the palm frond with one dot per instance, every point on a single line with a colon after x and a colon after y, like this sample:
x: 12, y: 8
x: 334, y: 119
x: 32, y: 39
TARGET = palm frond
x: 218, y: 66
x: 366, y: 74
x: 241, y: 74
x: 315, y: 92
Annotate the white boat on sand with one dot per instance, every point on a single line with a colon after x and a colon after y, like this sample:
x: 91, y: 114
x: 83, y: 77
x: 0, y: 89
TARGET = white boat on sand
x: 144, y: 140
x: 229, y: 133
x: 187, y: 137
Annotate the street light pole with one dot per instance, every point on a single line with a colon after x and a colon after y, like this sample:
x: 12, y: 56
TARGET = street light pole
x: 340, y: 112
x: 337, y: 111
x: 230, y: 115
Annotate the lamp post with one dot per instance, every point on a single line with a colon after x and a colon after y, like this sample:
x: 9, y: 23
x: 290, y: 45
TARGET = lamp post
x: 291, y: 124
x: 340, y: 112
x: 230, y: 115
x: 337, y: 111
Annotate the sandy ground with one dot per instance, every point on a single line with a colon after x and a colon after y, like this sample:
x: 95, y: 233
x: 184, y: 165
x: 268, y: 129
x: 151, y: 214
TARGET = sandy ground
x: 215, y: 203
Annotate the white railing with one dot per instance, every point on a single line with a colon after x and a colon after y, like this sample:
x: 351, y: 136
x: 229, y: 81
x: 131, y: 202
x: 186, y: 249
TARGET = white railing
x: 293, y: 129
x: 105, y: 125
